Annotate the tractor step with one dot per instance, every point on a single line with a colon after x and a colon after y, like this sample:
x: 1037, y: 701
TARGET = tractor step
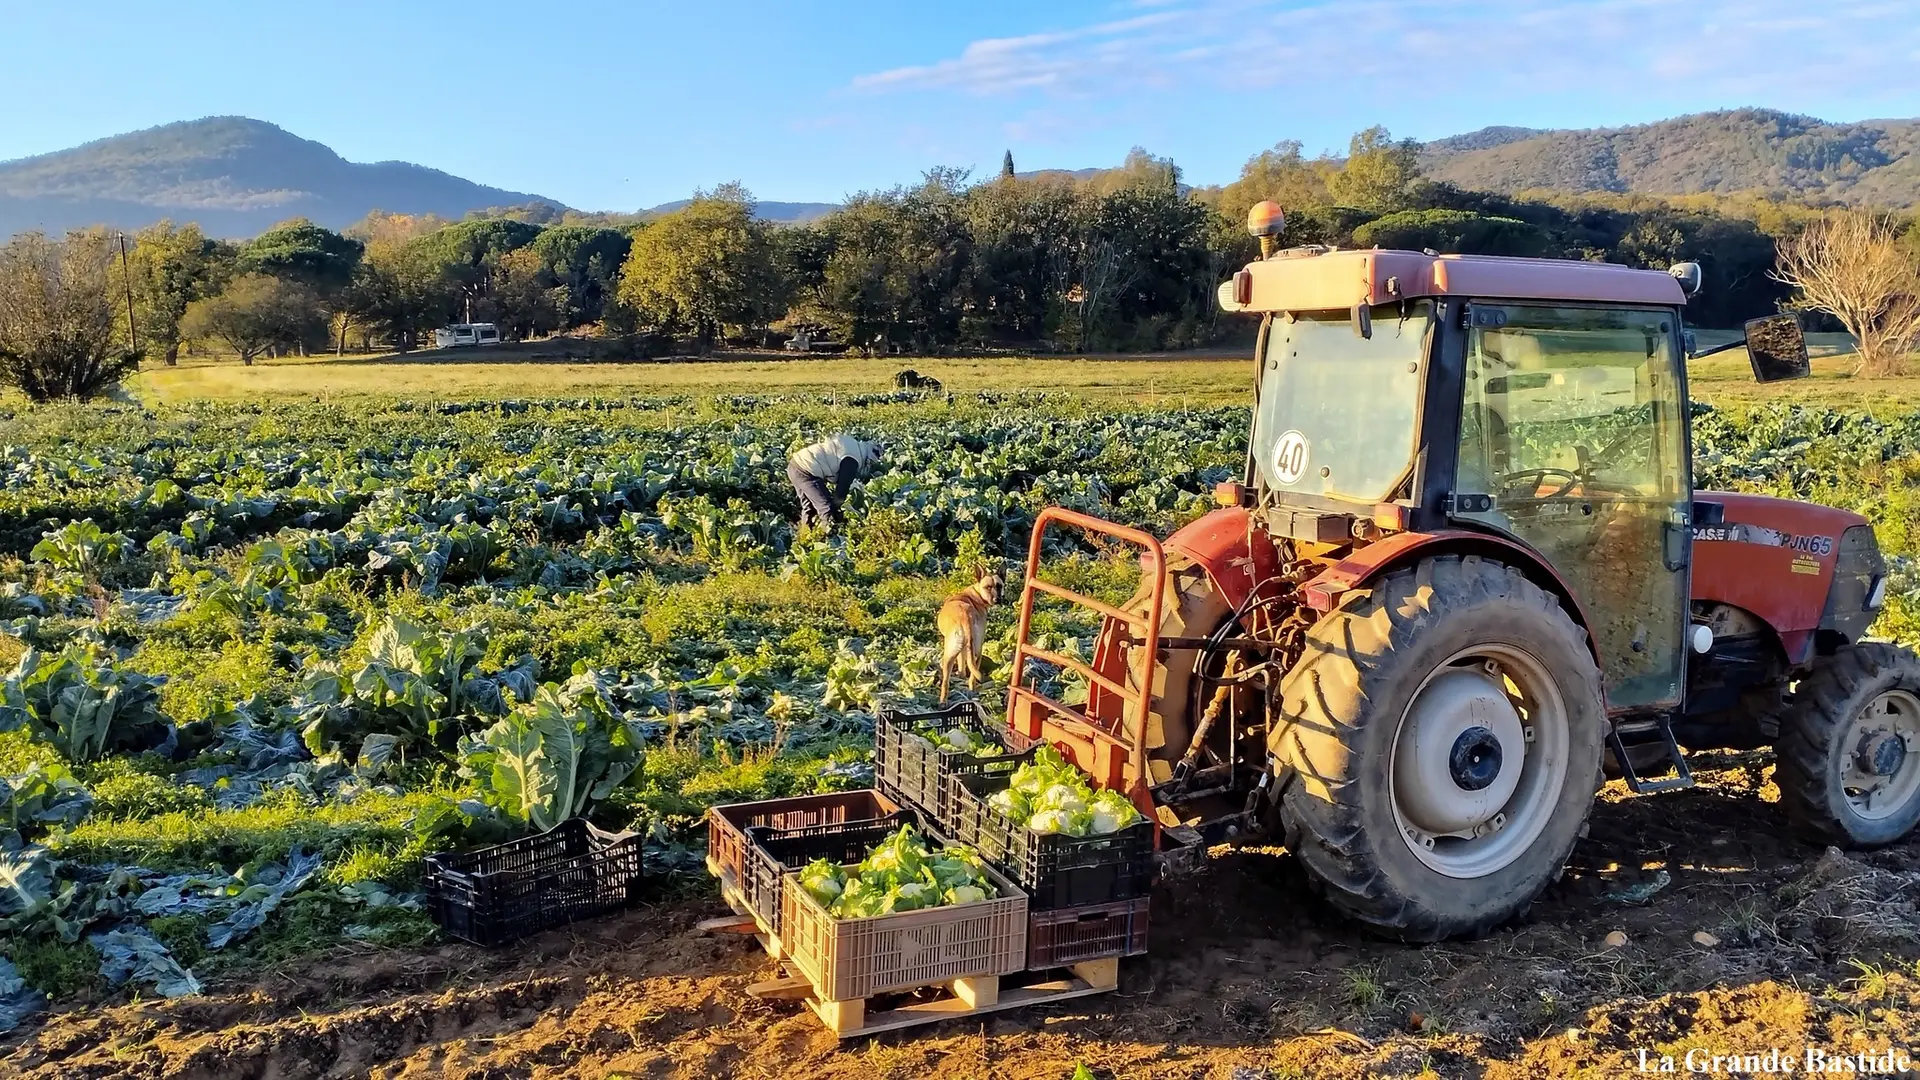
x: 1658, y: 732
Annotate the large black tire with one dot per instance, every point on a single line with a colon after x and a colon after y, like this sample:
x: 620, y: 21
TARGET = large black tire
x: 1811, y: 755
x: 1342, y: 707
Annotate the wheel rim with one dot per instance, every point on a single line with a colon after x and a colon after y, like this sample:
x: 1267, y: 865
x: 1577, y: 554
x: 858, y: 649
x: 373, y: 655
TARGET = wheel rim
x: 1879, y: 756
x: 1479, y: 761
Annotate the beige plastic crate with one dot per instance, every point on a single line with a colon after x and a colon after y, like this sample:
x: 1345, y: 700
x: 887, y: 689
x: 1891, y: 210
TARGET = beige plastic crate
x: 847, y: 959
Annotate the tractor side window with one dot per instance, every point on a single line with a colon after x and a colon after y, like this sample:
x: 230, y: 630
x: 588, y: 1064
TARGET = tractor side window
x: 1573, y: 422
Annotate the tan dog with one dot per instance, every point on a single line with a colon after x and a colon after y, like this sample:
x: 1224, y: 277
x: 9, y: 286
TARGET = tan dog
x: 963, y: 627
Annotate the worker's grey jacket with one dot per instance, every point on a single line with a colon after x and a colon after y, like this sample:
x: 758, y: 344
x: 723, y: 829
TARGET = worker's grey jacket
x: 822, y: 459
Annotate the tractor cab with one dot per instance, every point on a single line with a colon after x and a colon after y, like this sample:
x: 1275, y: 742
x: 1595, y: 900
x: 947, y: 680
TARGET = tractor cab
x: 1466, y: 566
x: 1540, y: 406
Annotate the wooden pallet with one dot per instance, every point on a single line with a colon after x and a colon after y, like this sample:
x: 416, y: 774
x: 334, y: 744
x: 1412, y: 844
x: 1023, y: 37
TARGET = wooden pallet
x: 969, y: 997
x: 963, y: 997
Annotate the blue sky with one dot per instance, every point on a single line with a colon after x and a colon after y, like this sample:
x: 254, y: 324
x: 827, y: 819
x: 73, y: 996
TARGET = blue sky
x: 610, y: 105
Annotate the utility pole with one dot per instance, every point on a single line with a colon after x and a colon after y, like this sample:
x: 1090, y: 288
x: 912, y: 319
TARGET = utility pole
x: 133, y: 337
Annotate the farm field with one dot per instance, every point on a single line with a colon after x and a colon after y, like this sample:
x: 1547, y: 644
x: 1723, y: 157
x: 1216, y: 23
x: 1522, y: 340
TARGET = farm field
x: 328, y: 634
x: 536, y: 369
x: 1199, y: 378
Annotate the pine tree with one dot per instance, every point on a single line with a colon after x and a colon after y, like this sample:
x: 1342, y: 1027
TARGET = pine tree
x: 1006, y: 166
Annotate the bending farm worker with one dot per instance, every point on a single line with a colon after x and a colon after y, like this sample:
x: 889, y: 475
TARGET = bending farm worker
x: 822, y: 472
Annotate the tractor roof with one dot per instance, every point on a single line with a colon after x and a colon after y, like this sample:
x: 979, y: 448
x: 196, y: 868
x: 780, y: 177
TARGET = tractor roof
x: 1337, y: 280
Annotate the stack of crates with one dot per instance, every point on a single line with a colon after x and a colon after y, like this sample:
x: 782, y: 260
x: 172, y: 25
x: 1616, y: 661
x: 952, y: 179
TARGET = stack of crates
x: 1087, y: 896
x: 757, y: 849
x: 751, y: 847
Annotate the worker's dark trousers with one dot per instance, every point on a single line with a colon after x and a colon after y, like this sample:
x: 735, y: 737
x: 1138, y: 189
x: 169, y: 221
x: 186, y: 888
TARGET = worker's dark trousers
x: 815, y: 502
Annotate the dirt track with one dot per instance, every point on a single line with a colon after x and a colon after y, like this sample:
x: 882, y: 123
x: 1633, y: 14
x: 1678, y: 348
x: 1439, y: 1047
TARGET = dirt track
x: 1246, y: 974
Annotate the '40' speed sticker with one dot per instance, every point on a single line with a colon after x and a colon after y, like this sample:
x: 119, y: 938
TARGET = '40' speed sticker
x: 1290, y: 457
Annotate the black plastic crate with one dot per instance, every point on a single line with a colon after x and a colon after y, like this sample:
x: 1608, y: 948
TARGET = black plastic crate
x: 1093, y: 932
x: 972, y: 822
x: 509, y: 891
x: 908, y: 766
x: 1057, y: 871
x: 773, y: 853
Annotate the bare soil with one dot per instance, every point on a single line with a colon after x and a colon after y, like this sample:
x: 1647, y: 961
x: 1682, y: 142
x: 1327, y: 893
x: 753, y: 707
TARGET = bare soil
x: 1248, y: 978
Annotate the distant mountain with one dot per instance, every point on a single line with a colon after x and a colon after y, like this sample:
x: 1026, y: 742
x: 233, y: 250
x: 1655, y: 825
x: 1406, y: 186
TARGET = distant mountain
x: 1077, y: 175
x: 1485, y: 139
x: 1874, y: 162
x: 238, y: 177
x: 235, y: 176
x: 786, y: 213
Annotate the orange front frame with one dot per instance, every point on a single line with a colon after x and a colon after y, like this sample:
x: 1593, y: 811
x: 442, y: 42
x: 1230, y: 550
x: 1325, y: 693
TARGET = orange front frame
x: 1111, y: 749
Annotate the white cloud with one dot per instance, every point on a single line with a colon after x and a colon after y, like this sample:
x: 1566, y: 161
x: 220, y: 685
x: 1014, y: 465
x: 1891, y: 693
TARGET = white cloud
x: 1020, y: 63
x: 1427, y: 53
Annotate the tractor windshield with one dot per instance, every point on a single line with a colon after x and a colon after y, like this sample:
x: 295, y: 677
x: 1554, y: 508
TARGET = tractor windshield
x: 1337, y: 411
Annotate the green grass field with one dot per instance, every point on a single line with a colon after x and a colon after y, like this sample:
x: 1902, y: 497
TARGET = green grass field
x: 1213, y: 379
x: 1218, y: 379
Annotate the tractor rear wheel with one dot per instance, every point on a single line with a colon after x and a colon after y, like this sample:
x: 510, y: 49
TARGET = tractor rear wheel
x: 1444, y: 732
x: 1848, y: 758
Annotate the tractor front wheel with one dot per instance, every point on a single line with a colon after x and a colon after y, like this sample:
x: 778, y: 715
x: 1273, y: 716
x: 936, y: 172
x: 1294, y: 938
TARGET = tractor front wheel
x: 1444, y: 733
x: 1848, y: 757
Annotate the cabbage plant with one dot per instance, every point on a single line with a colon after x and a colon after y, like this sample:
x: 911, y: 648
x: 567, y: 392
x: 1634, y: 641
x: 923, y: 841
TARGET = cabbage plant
x: 550, y: 759
x: 82, y: 702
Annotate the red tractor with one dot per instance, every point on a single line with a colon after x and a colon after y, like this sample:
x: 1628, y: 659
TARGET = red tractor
x: 1466, y: 576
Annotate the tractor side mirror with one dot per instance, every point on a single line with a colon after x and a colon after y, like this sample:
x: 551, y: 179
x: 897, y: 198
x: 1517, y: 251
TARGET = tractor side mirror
x: 1777, y: 348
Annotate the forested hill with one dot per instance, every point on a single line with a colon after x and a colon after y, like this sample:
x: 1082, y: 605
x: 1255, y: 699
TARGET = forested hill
x: 236, y: 177
x: 1873, y: 162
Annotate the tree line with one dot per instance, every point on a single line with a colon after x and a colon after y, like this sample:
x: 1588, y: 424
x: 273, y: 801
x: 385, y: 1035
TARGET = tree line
x: 1127, y: 259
